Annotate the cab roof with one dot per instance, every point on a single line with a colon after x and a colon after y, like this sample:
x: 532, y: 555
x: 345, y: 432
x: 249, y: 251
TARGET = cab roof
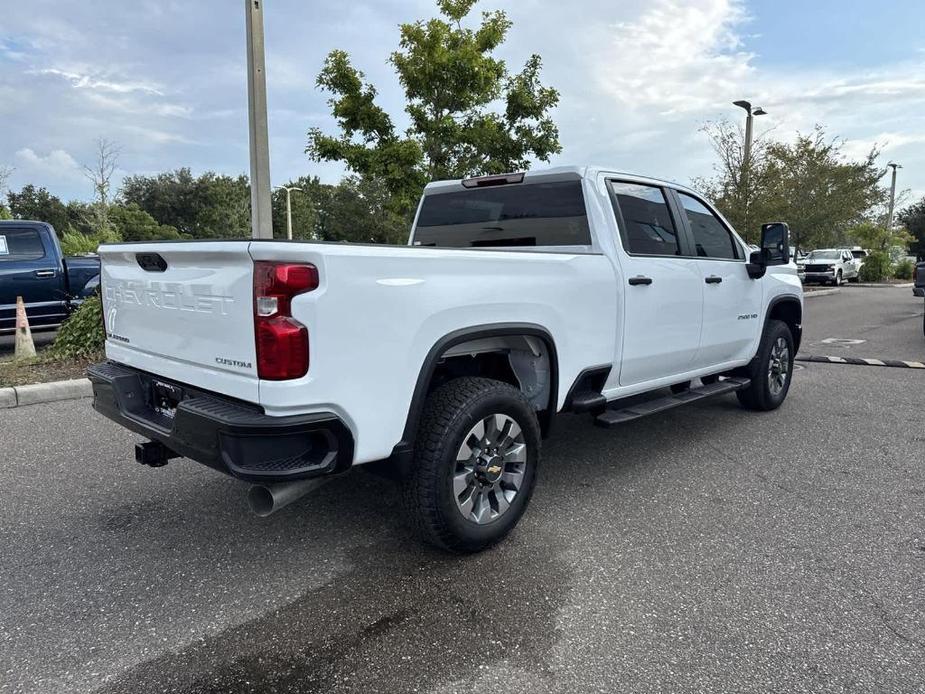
x: 589, y: 172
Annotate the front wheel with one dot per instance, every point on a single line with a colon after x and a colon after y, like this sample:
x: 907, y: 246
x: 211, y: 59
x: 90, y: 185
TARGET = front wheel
x: 838, y: 278
x: 771, y: 370
x: 475, y: 464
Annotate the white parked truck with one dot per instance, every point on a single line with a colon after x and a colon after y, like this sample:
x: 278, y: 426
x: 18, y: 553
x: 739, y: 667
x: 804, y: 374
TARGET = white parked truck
x: 518, y: 297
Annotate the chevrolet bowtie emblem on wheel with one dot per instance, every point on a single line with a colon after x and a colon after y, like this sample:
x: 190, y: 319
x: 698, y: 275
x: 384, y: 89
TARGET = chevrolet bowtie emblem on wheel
x: 494, y: 470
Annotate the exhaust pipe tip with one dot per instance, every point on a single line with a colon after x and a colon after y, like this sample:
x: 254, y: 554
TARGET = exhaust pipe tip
x: 267, y: 499
x: 260, y: 499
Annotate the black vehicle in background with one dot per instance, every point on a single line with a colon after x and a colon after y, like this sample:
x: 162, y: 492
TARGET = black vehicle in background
x: 32, y: 266
x: 919, y: 288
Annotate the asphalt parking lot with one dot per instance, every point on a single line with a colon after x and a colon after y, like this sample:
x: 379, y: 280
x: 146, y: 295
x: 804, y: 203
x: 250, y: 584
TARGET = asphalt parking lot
x: 704, y: 549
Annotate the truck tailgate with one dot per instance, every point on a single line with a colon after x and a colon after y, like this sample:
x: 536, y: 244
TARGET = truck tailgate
x: 183, y: 311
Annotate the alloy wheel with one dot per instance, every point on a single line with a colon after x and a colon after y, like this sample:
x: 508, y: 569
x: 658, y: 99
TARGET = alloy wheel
x: 490, y: 468
x: 778, y: 366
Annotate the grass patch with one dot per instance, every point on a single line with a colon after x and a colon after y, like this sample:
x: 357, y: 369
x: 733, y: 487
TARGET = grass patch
x: 44, y: 368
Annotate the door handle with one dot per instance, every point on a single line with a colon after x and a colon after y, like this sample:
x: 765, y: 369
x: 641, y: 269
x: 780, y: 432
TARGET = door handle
x: 713, y: 279
x: 44, y: 273
x: 639, y: 279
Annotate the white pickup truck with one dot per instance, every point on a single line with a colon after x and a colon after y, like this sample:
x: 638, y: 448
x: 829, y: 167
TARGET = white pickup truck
x: 517, y: 298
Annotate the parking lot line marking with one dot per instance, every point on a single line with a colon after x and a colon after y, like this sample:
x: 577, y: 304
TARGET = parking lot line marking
x: 858, y: 361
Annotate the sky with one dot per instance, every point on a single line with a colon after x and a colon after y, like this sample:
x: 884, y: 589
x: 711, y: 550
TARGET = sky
x: 166, y: 81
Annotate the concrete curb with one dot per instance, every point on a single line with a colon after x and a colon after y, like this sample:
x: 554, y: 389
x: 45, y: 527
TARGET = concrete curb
x: 821, y: 292
x: 860, y: 361
x: 37, y: 393
x: 883, y: 285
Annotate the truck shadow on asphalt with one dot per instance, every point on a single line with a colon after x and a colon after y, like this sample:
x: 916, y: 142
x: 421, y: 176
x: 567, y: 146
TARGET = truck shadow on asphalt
x: 403, y: 617
x: 401, y: 614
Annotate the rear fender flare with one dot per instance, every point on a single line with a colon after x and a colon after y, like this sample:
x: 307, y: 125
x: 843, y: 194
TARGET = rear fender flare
x: 404, y: 447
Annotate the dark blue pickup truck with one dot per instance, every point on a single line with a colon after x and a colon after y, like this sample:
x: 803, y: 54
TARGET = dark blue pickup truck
x: 33, y: 267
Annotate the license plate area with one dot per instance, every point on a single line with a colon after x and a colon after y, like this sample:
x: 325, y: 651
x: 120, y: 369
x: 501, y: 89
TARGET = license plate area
x: 165, y: 397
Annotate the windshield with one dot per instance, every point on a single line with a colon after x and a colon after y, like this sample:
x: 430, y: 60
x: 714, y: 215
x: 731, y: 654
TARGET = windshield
x: 525, y: 214
x: 825, y: 255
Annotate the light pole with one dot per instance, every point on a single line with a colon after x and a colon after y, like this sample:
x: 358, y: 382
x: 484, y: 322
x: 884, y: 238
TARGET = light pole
x: 889, y: 217
x: 747, y: 154
x: 261, y: 208
x: 288, y: 208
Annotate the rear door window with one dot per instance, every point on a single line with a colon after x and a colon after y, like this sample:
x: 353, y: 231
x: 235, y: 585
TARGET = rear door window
x: 711, y: 237
x: 20, y: 244
x: 647, y: 227
x: 522, y: 214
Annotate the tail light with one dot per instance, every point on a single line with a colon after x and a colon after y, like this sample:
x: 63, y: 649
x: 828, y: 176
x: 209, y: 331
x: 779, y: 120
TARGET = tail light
x: 282, y: 342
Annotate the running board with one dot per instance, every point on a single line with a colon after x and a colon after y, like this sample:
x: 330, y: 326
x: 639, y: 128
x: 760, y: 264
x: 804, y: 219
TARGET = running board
x: 613, y: 417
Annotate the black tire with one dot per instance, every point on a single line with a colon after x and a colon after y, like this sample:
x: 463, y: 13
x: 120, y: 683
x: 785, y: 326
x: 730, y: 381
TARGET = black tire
x: 838, y: 278
x: 759, y: 395
x: 449, y: 415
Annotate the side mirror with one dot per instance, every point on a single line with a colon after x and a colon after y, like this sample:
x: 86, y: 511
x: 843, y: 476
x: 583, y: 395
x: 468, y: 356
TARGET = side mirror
x: 756, y: 265
x: 775, y: 243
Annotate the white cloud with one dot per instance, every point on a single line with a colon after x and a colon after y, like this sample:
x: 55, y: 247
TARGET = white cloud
x: 667, y: 66
x: 85, y: 80
x: 158, y: 137
x: 677, y: 56
x: 57, y: 164
x: 131, y: 104
x: 637, y: 79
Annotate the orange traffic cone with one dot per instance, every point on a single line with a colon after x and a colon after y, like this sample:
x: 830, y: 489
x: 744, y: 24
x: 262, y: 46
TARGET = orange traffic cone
x: 25, y: 347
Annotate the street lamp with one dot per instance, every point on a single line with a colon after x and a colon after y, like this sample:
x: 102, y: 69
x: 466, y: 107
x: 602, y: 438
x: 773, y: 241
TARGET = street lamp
x: 261, y: 221
x: 747, y: 155
x: 288, y: 208
x: 889, y: 217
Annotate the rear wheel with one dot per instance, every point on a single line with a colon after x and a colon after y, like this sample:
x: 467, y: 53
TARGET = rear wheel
x: 475, y: 464
x: 771, y: 370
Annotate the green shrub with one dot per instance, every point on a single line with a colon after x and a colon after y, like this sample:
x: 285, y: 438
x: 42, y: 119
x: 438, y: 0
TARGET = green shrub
x: 82, y: 334
x: 75, y: 243
x: 903, y: 269
x: 876, y: 267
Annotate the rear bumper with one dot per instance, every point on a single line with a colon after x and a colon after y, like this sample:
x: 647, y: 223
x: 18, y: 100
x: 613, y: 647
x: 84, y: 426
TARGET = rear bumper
x: 233, y: 437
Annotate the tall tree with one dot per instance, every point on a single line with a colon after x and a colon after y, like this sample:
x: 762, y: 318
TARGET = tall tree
x: 451, y: 81
x: 732, y: 190
x: 207, y: 206
x: 360, y: 210
x: 807, y: 183
x: 305, y: 205
x: 817, y: 191
x: 39, y: 205
x: 100, y: 174
x: 5, y: 173
x: 134, y: 224
x: 913, y: 220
